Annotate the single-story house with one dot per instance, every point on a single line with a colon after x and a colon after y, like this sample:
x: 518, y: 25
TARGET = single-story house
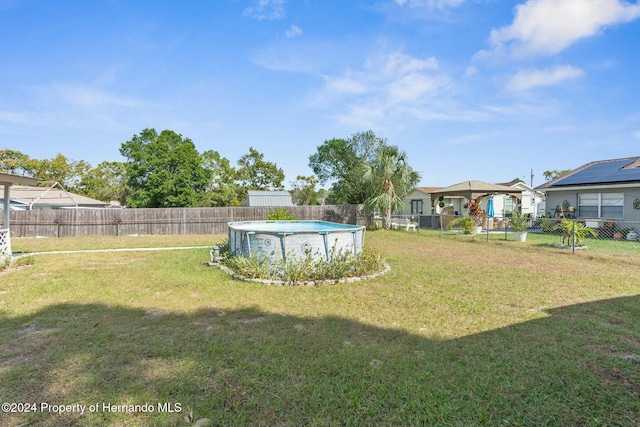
x: 599, y: 190
x: 269, y: 198
x: 418, y: 201
x: 532, y: 202
x: 25, y: 197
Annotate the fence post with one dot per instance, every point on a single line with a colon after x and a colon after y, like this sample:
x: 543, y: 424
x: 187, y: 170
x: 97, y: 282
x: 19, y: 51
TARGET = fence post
x: 573, y: 237
x: 505, y: 227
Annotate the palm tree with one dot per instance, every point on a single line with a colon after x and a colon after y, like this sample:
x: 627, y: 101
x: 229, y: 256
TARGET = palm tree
x: 388, y: 178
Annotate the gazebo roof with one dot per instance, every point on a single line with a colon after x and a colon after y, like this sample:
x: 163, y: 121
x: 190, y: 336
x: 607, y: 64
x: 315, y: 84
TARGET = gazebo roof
x: 474, y: 189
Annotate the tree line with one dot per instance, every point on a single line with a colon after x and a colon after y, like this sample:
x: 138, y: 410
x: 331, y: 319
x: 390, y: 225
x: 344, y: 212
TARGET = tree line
x: 164, y: 169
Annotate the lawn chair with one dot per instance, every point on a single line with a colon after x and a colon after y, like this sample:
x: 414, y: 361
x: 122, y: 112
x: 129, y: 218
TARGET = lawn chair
x: 411, y: 225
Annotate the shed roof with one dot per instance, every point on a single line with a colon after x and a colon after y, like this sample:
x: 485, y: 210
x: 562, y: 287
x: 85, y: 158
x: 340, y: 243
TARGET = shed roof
x: 269, y: 198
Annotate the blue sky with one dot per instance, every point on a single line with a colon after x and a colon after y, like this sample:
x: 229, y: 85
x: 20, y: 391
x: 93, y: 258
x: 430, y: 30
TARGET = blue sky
x: 477, y: 89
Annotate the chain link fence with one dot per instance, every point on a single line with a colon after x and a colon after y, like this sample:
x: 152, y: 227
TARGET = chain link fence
x: 571, y: 234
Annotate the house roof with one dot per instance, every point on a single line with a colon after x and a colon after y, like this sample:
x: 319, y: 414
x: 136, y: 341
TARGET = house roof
x: 50, y: 197
x: 269, y: 198
x: 615, y: 171
x: 425, y: 190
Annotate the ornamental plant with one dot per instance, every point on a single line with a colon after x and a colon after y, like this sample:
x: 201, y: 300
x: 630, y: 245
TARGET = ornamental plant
x: 476, y: 212
x: 465, y: 223
x: 519, y: 223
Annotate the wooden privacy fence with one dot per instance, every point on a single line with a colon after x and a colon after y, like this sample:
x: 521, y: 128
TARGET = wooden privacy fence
x: 122, y: 222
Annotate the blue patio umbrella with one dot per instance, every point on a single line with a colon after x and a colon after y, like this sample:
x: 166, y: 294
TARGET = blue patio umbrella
x: 490, y: 211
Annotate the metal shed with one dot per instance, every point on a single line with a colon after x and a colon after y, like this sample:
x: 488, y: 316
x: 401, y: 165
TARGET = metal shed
x: 269, y: 198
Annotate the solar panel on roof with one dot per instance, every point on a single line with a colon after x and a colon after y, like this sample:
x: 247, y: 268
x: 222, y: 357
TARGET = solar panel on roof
x: 605, y: 172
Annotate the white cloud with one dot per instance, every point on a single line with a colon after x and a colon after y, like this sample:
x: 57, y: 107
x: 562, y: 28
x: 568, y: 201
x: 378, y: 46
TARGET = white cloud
x: 546, y: 27
x: 399, y: 63
x: 13, y: 117
x: 87, y: 97
x: 74, y: 105
x: 293, y: 31
x: 470, y: 71
x: 411, y: 88
x: 526, y: 80
x: 266, y: 9
x: 344, y: 85
x: 637, y: 134
x: 387, y: 87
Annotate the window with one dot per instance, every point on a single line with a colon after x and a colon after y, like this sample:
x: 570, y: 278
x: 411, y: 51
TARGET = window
x: 416, y: 206
x: 588, y: 205
x: 600, y: 205
x: 508, y: 205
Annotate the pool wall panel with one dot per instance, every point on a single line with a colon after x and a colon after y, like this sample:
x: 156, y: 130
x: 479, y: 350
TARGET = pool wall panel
x: 321, y: 239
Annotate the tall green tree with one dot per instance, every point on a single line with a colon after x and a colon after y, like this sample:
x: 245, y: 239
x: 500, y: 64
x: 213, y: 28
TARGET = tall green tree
x: 303, y: 190
x: 59, y: 169
x: 164, y: 170
x: 255, y: 173
x: 106, y: 182
x: 15, y: 162
x: 339, y: 161
x: 222, y: 189
x: 388, y: 179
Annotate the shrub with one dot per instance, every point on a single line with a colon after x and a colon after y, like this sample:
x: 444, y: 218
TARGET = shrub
x: 548, y: 225
x: 465, y: 223
x: 295, y: 270
x: 280, y: 214
x: 519, y: 223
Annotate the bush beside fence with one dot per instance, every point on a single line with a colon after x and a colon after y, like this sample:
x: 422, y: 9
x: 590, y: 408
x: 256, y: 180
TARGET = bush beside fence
x: 169, y: 221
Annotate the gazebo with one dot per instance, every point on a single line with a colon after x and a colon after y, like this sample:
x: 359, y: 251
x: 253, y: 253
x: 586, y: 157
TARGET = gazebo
x: 474, y: 190
x: 7, y: 180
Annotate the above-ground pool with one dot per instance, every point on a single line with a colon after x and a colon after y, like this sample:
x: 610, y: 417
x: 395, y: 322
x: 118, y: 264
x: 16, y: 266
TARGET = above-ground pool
x: 294, y: 239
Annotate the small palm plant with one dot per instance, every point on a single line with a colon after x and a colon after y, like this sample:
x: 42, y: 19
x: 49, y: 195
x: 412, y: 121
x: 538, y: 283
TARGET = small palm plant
x: 571, y: 229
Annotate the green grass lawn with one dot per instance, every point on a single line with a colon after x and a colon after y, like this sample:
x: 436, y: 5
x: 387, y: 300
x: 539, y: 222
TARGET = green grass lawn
x: 549, y: 240
x: 460, y: 332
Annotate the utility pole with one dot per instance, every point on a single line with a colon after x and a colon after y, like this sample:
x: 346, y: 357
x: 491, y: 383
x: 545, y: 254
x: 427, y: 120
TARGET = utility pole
x: 532, y: 177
